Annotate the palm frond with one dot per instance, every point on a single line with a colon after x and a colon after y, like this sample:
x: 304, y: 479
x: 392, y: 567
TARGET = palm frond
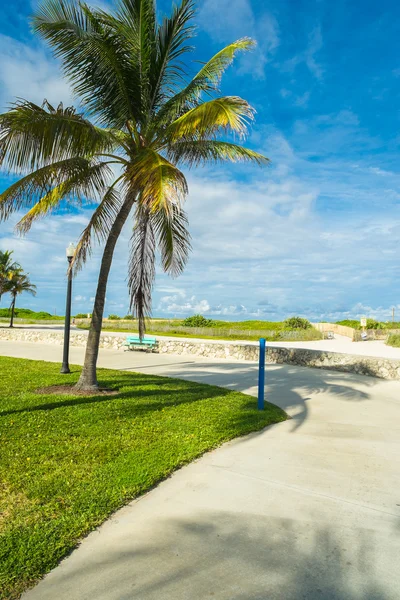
x: 141, y: 271
x: 201, y: 152
x: 206, y: 81
x: 7, y: 269
x: 7, y: 265
x: 19, y: 283
x: 137, y: 21
x: 32, y: 136
x: 162, y: 184
x: 173, y: 239
x: 72, y: 179
x: 209, y: 76
x: 229, y: 113
x: 172, y: 37
x: 98, y: 227
x: 94, y: 57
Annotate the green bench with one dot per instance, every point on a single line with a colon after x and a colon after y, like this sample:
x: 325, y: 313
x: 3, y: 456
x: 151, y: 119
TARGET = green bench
x: 133, y: 342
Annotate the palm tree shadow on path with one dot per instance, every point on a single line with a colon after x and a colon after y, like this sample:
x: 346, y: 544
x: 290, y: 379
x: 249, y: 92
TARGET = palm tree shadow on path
x: 237, y: 556
x: 289, y: 387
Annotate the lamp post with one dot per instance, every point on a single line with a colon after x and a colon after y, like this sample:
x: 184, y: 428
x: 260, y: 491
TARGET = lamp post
x: 67, y: 326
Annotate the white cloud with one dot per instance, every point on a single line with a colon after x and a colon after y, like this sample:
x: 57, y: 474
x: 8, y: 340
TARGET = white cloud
x: 179, y: 304
x: 381, y: 172
x: 31, y: 73
x: 227, y: 20
x: 303, y: 99
x: 314, y: 46
x: 308, y: 56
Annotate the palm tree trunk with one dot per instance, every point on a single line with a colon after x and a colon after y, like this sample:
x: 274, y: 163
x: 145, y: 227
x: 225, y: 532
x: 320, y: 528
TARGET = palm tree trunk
x: 12, y: 312
x: 88, y: 379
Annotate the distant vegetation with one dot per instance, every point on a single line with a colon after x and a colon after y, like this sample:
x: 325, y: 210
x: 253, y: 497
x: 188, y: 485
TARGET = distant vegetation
x: 198, y: 326
x: 26, y: 314
x: 371, y: 324
x: 349, y: 323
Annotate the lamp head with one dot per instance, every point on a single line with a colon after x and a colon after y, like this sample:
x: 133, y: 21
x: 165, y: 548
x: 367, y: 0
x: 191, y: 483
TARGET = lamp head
x: 70, y: 252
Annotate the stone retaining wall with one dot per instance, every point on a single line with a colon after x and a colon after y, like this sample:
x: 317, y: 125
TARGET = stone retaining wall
x: 57, y: 338
x: 383, y: 368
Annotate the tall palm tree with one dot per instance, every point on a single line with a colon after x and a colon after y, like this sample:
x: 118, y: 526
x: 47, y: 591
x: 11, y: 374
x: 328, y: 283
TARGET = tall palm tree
x: 18, y: 283
x: 143, y: 118
x: 7, y: 267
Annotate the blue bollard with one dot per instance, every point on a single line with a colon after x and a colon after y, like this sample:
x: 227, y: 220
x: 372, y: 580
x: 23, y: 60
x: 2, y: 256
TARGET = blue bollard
x: 261, y: 376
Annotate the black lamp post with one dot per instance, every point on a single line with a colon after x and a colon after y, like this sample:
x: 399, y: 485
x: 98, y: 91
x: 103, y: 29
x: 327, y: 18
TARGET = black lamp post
x: 67, y: 326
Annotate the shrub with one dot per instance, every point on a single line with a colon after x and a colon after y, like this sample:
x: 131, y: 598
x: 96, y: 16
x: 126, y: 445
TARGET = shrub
x: 372, y: 324
x: 40, y: 315
x: 197, y: 321
x: 114, y: 318
x: 350, y: 323
x: 128, y: 318
x: 26, y: 313
x: 393, y: 340
x: 81, y: 316
x: 297, y: 323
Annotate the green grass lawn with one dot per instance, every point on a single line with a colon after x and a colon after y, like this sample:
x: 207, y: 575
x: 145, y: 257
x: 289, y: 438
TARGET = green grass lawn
x: 67, y: 462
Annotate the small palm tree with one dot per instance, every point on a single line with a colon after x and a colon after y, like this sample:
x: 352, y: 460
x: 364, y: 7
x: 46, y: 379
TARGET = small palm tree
x: 18, y: 283
x: 7, y: 267
x: 143, y: 117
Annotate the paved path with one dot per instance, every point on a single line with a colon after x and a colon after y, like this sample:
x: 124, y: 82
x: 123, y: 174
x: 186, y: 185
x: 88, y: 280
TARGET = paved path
x: 305, y: 510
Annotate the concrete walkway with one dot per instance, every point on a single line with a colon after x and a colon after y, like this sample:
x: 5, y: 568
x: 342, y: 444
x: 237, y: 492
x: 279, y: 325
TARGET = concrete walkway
x: 307, y: 509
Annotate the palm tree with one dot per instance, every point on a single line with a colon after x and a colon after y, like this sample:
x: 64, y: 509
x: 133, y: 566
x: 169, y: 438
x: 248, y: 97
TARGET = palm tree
x: 144, y: 118
x: 18, y: 283
x: 7, y: 267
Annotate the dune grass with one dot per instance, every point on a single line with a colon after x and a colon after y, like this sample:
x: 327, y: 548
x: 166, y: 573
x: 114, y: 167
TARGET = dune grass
x: 67, y: 461
x: 219, y: 330
x: 393, y: 340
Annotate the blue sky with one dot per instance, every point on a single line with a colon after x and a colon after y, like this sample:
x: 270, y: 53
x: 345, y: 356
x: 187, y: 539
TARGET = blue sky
x: 317, y: 233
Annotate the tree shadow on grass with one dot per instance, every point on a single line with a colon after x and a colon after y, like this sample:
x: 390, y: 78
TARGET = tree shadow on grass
x: 140, y: 399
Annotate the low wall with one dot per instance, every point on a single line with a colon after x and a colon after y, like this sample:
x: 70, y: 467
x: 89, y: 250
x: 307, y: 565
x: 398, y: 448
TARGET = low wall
x: 383, y: 368
x: 57, y: 338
